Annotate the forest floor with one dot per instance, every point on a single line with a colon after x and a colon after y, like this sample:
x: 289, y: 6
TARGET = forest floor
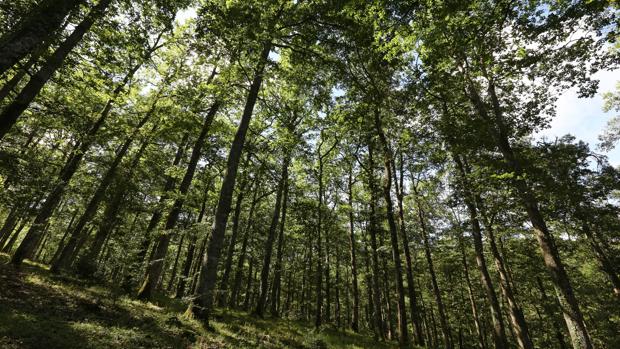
x: 41, y: 310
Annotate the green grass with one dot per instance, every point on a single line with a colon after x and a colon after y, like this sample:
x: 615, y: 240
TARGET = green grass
x: 41, y: 310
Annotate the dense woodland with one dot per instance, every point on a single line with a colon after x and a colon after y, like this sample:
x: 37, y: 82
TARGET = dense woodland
x: 368, y: 166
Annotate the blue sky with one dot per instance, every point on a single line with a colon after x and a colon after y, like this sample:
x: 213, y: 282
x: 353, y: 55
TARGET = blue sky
x: 584, y: 117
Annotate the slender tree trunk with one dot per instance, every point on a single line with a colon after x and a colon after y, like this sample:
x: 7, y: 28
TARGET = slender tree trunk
x: 248, y: 289
x: 37, y: 26
x: 264, y: 275
x: 388, y: 322
x: 12, y: 112
x: 185, y: 269
x: 376, y: 296
x: 242, y: 254
x: 276, y: 289
x: 155, y: 266
x: 569, y: 304
x: 64, y: 260
x: 318, y: 318
x: 66, y: 174
x: 231, y: 246
x: 403, y: 338
x: 352, y: 243
x: 547, y: 305
x: 499, y: 333
x: 64, y: 237
x: 110, y: 214
x: 9, y: 224
x: 157, y: 214
x: 472, y: 300
x: 337, y: 291
x: 413, y: 303
x: 443, y: 320
x: 203, y: 304
x: 173, y: 276
x: 606, y: 264
x: 10, y: 85
x: 9, y: 245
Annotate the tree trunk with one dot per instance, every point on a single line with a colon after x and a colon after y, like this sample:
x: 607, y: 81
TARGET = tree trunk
x: 12, y: 112
x: 551, y: 312
x: 8, y: 87
x: 64, y: 260
x: 9, y: 224
x: 157, y: 214
x: 499, y: 333
x: 443, y: 320
x: 231, y: 246
x: 277, y: 288
x: 264, y: 275
x: 155, y: 266
x: 208, y: 276
x: 176, y: 263
x: 248, y: 289
x: 37, y: 26
x: 569, y: 304
x: 413, y: 303
x: 403, y: 338
x: 318, y: 318
x: 9, y: 245
x: 75, y: 158
x: 472, y: 300
x: 356, y: 296
x: 64, y: 237
x: 180, y: 291
x: 606, y: 265
x: 244, y: 245
x: 110, y: 214
x: 376, y: 296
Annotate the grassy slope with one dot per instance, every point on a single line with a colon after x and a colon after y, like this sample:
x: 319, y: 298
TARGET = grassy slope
x: 39, y: 310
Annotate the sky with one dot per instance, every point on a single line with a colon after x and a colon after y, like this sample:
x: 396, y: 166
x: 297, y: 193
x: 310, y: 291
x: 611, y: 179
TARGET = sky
x: 582, y: 117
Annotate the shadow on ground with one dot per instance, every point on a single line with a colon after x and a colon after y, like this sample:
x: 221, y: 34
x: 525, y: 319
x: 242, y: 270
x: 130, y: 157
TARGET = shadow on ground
x: 39, y: 310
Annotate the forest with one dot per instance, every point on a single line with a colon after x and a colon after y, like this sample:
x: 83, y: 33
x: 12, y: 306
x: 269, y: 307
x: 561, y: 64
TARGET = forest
x: 306, y: 174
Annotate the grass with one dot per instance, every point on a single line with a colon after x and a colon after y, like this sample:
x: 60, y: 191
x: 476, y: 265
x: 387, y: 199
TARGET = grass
x: 42, y: 310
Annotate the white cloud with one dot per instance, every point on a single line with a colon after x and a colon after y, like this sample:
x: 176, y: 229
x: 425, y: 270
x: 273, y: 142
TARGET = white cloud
x: 584, y: 117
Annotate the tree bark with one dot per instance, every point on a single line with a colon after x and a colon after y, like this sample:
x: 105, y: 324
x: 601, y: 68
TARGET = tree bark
x: 9, y: 224
x: 73, y: 162
x: 570, y: 306
x: 8, y: 87
x: 376, y: 296
x: 157, y: 214
x: 472, y: 300
x: 443, y: 320
x: 413, y: 303
x: 403, y: 337
x: 231, y: 246
x: 37, y: 26
x: 271, y: 236
x: 242, y: 254
x: 155, y: 266
x: 352, y: 243
x: 499, y: 332
x: 277, y: 288
x: 546, y: 302
x: 606, y: 265
x: 203, y: 305
x: 64, y: 260
x: 12, y: 112
x: 174, y: 265
x: 9, y: 245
